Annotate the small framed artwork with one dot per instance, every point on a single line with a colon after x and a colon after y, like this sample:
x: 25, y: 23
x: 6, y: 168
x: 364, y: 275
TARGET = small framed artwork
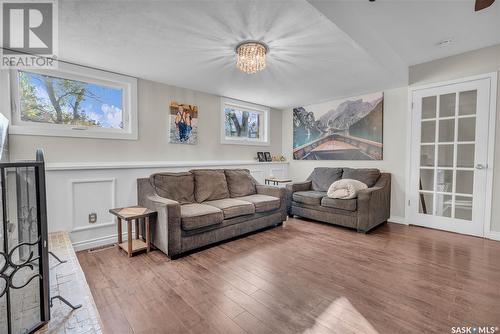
x: 261, y: 156
x: 268, y: 156
x: 183, y: 123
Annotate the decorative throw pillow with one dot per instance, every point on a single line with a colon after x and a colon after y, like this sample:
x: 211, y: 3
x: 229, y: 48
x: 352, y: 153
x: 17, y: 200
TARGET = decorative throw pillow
x: 240, y: 182
x: 210, y: 184
x: 368, y: 176
x: 322, y: 177
x: 176, y: 186
x: 345, y: 189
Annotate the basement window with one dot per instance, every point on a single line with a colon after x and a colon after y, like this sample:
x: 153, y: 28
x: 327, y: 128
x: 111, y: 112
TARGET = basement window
x: 244, y: 123
x: 73, y: 102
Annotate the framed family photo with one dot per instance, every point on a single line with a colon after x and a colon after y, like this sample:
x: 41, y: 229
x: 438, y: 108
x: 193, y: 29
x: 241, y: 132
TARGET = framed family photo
x: 183, y: 121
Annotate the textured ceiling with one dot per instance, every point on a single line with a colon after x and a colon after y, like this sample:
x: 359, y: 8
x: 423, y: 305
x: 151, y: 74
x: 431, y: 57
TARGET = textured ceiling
x: 191, y: 44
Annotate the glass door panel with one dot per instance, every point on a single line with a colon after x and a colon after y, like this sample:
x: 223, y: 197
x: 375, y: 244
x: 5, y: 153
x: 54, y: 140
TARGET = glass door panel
x: 426, y: 203
x: 467, y: 102
x: 466, y: 129
x: 447, y: 105
x: 465, y: 155
x: 428, y: 131
x: 451, y: 119
x: 429, y: 107
x: 444, y: 205
x: 445, y: 155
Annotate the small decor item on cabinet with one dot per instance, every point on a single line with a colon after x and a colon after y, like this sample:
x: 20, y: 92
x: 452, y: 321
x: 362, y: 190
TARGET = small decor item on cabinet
x: 268, y: 156
x: 279, y: 158
x: 261, y: 156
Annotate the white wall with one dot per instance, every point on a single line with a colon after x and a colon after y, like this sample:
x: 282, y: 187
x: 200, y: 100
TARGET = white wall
x: 476, y: 62
x: 93, y: 175
x: 394, y: 161
x: 152, y: 145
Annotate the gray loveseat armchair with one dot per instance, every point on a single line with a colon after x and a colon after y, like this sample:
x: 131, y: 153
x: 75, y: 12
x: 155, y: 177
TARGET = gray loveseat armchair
x: 204, y: 206
x: 372, y: 207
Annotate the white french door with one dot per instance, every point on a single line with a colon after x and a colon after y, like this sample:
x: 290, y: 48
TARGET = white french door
x: 449, y: 156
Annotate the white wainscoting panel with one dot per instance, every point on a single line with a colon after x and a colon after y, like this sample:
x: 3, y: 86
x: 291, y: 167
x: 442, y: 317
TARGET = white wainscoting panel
x: 75, y: 190
x: 258, y: 174
x: 278, y: 173
x: 92, y: 196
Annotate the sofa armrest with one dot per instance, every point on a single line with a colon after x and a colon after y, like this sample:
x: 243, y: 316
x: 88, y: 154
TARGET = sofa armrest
x: 299, y: 186
x: 169, y: 216
x: 275, y: 192
x: 293, y: 187
x: 374, y: 204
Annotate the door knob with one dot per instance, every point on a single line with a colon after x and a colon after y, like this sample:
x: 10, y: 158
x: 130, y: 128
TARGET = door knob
x: 480, y: 166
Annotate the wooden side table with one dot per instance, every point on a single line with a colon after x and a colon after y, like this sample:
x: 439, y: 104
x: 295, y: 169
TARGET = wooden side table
x: 276, y: 181
x: 130, y: 215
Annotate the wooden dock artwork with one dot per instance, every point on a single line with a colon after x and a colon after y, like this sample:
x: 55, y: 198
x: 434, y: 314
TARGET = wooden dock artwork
x: 346, y: 146
x: 348, y: 129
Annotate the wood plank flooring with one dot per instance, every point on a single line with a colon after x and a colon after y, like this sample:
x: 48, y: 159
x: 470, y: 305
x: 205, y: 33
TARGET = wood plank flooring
x: 304, y: 277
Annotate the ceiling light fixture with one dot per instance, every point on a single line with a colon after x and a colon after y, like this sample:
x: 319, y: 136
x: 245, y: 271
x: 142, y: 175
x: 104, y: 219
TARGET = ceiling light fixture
x: 251, y: 56
x: 445, y: 42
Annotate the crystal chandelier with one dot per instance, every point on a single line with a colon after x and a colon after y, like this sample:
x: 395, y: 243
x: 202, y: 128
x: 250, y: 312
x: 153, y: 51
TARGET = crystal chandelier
x: 251, y: 56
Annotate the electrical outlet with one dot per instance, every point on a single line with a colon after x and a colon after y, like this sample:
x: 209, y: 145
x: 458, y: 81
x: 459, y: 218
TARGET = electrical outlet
x: 92, y: 218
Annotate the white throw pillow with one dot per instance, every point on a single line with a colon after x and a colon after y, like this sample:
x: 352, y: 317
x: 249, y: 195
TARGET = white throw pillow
x: 345, y: 189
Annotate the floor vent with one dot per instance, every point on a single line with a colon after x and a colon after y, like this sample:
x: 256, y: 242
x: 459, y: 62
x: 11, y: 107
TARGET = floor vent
x: 101, y: 248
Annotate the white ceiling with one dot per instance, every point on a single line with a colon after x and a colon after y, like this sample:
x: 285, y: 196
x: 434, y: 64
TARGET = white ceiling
x: 411, y: 29
x: 318, y: 49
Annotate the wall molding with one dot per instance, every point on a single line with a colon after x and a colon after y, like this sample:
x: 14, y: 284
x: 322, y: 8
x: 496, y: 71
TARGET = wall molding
x: 493, y: 235
x: 97, y: 242
x: 152, y: 164
x: 398, y: 220
x: 92, y: 227
x: 72, y: 183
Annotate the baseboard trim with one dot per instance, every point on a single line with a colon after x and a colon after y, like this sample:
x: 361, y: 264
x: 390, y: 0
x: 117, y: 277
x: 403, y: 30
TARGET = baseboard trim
x: 397, y: 220
x: 493, y: 235
x: 97, y: 242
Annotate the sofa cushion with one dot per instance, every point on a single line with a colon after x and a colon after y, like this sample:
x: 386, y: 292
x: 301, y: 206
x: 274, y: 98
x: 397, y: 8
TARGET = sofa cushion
x: 337, y: 203
x: 196, y: 215
x: 262, y: 203
x: 309, y: 197
x: 323, y: 177
x: 176, y: 186
x: 368, y: 176
x: 232, y: 207
x: 209, y: 184
x: 240, y: 182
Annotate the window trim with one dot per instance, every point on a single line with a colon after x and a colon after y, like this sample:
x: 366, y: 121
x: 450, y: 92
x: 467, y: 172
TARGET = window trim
x: 84, y: 74
x: 245, y: 106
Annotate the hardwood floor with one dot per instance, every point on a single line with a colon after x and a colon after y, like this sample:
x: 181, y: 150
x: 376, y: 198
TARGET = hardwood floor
x: 304, y: 277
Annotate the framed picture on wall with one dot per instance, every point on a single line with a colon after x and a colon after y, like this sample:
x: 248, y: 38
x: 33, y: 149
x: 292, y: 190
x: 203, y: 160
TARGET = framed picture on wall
x: 261, y: 156
x: 183, y: 123
x: 268, y: 156
x: 345, y: 129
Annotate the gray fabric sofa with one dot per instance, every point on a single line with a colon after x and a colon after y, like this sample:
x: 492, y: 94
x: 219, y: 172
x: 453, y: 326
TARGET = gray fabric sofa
x: 205, y: 206
x: 371, y: 208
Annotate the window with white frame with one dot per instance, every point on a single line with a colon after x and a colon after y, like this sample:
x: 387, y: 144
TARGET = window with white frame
x: 244, y: 123
x: 73, y: 101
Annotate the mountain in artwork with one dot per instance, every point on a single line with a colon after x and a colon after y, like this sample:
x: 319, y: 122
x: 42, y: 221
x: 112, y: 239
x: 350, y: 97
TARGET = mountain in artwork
x: 346, y: 114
